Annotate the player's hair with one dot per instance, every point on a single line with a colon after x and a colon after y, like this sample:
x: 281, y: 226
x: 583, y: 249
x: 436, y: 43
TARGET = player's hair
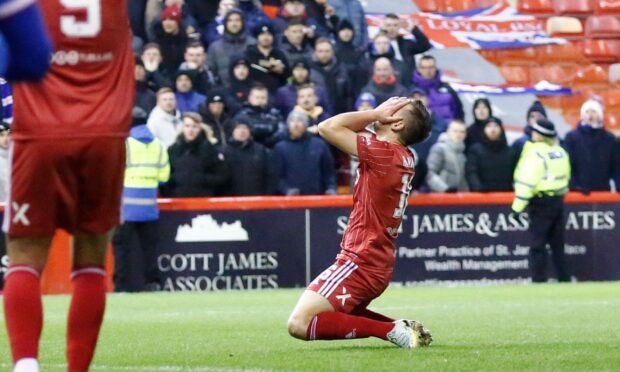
x: 163, y: 90
x: 194, y: 116
x: 194, y: 44
x: 151, y: 45
x: 392, y: 16
x: 322, y: 40
x: 417, y: 121
x: 306, y: 86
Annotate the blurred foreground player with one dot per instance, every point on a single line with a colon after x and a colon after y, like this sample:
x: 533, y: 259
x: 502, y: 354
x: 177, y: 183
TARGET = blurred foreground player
x: 334, y: 306
x: 68, y: 157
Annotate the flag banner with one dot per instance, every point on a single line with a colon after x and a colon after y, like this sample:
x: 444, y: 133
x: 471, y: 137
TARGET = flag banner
x: 543, y: 88
x: 495, y: 27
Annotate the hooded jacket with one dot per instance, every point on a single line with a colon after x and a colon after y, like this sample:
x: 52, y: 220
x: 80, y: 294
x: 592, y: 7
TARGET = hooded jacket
x: 442, y: 99
x: 223, y: 50
x: 475, y: 131
x: 446, y: 166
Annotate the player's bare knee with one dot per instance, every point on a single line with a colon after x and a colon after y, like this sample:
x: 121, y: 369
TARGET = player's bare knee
x: 297, y: 326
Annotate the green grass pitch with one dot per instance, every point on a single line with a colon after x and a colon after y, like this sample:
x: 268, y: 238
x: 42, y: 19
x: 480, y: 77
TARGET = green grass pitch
x: 554, y: 327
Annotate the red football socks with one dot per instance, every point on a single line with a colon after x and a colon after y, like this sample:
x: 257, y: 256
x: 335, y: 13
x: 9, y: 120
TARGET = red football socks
x: 365, y: 313
x: 23, y: 310
x: 338, y: 326
x: 85, y: 316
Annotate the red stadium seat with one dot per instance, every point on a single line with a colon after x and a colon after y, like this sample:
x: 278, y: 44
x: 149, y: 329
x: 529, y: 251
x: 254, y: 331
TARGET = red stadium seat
x: 612, y: 121
x: 591, y: 77
x: 489, y: 54
x: 572, y: 117
x: 573, y: 7
x: 485, y: 3
x: 428, y: 5
x: 456, y: 5
x: 609, y: 7
x: 611, y: 99
x: 603, y: 27
x: 602, y: 50
x: 562, y: 53
x: 518, y: 55
x: 516, y: 74
x: 556, y: 73
x: 535, y: 6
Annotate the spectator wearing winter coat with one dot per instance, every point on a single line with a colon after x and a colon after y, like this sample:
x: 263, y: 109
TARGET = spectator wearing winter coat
x: 171, y: 37
x: 381, y: 48
x: 251, y: 164
x: 307, y: 103
x: 482, y: 111
x: 294, y: 43
x: 156, y: 78
x: 446, y: 160
x: 353, y: 11
x: 145, y: 98
x: 240, y: 84
x: 196, y: 61
x: 534, y: 113
x: 304, y: 162
x: 405, y: 48
x: 491, y: 162
x: 296, y: 10
x: 335, y: 75
x: 268, y: 65
x: 214, y: 115
x: 196, y: 167
x: 265, y: 121
x: 253, y: 14
x: 383, y: 83
x: 188, y: 100
x: 352, y: 56
x: 438, y: 126
x: 165, y: 120
x: 233, y: 42
x: 443, y: 100
x: 592, y: 151
x: 286, y: 96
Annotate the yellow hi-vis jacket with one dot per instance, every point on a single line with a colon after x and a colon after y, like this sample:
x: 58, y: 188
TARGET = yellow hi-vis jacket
x: 147, y: 166
x: 543, y: 170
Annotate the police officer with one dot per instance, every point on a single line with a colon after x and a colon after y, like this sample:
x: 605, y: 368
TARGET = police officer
x: 540, y: 182
x: 147, y: 167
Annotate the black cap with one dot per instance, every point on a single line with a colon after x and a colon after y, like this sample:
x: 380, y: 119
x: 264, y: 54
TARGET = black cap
x: 138, y: 116
x: 300, y: 63
x: 262, y: 28
x: 345, y: 24
x: 545, y: 128
x: 215, y: 98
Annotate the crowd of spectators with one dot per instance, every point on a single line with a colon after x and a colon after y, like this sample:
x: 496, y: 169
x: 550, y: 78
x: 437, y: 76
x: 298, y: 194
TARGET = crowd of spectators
x: 235, y: 95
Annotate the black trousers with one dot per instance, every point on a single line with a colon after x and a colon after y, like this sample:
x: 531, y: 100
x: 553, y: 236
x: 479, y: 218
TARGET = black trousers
x: 547, y: 227
x: 135, y: 249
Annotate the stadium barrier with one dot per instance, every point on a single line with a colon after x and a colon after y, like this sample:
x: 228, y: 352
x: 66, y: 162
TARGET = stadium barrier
x: 212, y: 244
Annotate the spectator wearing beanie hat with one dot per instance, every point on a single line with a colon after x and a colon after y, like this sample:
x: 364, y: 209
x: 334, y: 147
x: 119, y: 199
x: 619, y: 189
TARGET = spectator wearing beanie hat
x: 240, y: 83
x: 534, y: 113
x: 593, y: 153
x: 366, y: 101
x: 171, y: 37
x: 215, y: 115
x: 352, y: 56
x: 304, y: 163
x: 268, y: 65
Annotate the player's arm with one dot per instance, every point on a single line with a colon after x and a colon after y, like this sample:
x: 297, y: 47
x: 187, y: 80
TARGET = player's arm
x: 341, y: 130
x: 29, y: 45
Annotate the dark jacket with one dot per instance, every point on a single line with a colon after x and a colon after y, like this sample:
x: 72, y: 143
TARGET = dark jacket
x: 384, y: 91
x: 475, y: 131
x: 409, y: 48
x: 517, y: 146
x: 442, y: 99
x: 286, y: 97
x: 196, y: 169
x: 269, y: 79
x: 172, y: 48
x: 305, y: 164
x: 266, y: 123
x: 293, y: 53
x: 283, y: 18
x: 593, y: 158
x: 252, y: 169
x: 336, y: 77
x: 401, y: 70
x: 490, y: 165
x: 354, y: 12
x: 145, y: 98
x: 221, y: 126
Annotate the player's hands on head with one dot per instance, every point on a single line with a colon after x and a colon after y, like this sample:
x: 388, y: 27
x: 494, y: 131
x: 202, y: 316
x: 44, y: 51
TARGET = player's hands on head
x: 385, y: 111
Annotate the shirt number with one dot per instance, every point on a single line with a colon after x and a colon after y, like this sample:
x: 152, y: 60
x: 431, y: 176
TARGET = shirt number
x: 70, y: 26
x: 404, y: 194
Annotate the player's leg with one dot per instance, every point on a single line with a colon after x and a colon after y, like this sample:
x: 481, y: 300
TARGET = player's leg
x: 88, y: 300
x: 363, y: 311
x: 23, y: 310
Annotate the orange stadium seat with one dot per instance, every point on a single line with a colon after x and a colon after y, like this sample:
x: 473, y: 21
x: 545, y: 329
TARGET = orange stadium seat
x: 518, y: 55
x: 485, y: 3
x: 611, y: 99
x: 456, y: 5
x: 516, y: 74
x: 489, y: 54
x: 556, y: 73
x: 602, y: 50
x: 605, y: 26
x: 428, y: 5
x: 611, y: 7
x: 535, y: 6
x: 572, y: 117
x: 612, y: 121
x: 560, y: 53
x: 592, y: 77
x: 573, y: 7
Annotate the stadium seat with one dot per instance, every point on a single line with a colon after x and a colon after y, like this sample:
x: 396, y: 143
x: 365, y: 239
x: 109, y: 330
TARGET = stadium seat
x: 485, y: 3
x: 456, y: 5
x: 428, y: 6
x: 602, y: 50
x: 609, y: 7
x: 539, y: 7
x: 523, y: 56
x: 605, y: 26
x: 612, y: 121
x: 567, y: 27
x: 611, y: 99
x: 573, y: 7
x: 614, y: 74
x: 516, y: 74
x: 271, y: 11
x: 489, y: 54
x: 556, y: 73
x: 593, y: 77
x: 572, y: 117
x: 560, y: 53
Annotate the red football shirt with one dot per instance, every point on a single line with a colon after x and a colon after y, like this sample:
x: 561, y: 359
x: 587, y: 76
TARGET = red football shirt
x: 89, y: 90
x: 379, y: 200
